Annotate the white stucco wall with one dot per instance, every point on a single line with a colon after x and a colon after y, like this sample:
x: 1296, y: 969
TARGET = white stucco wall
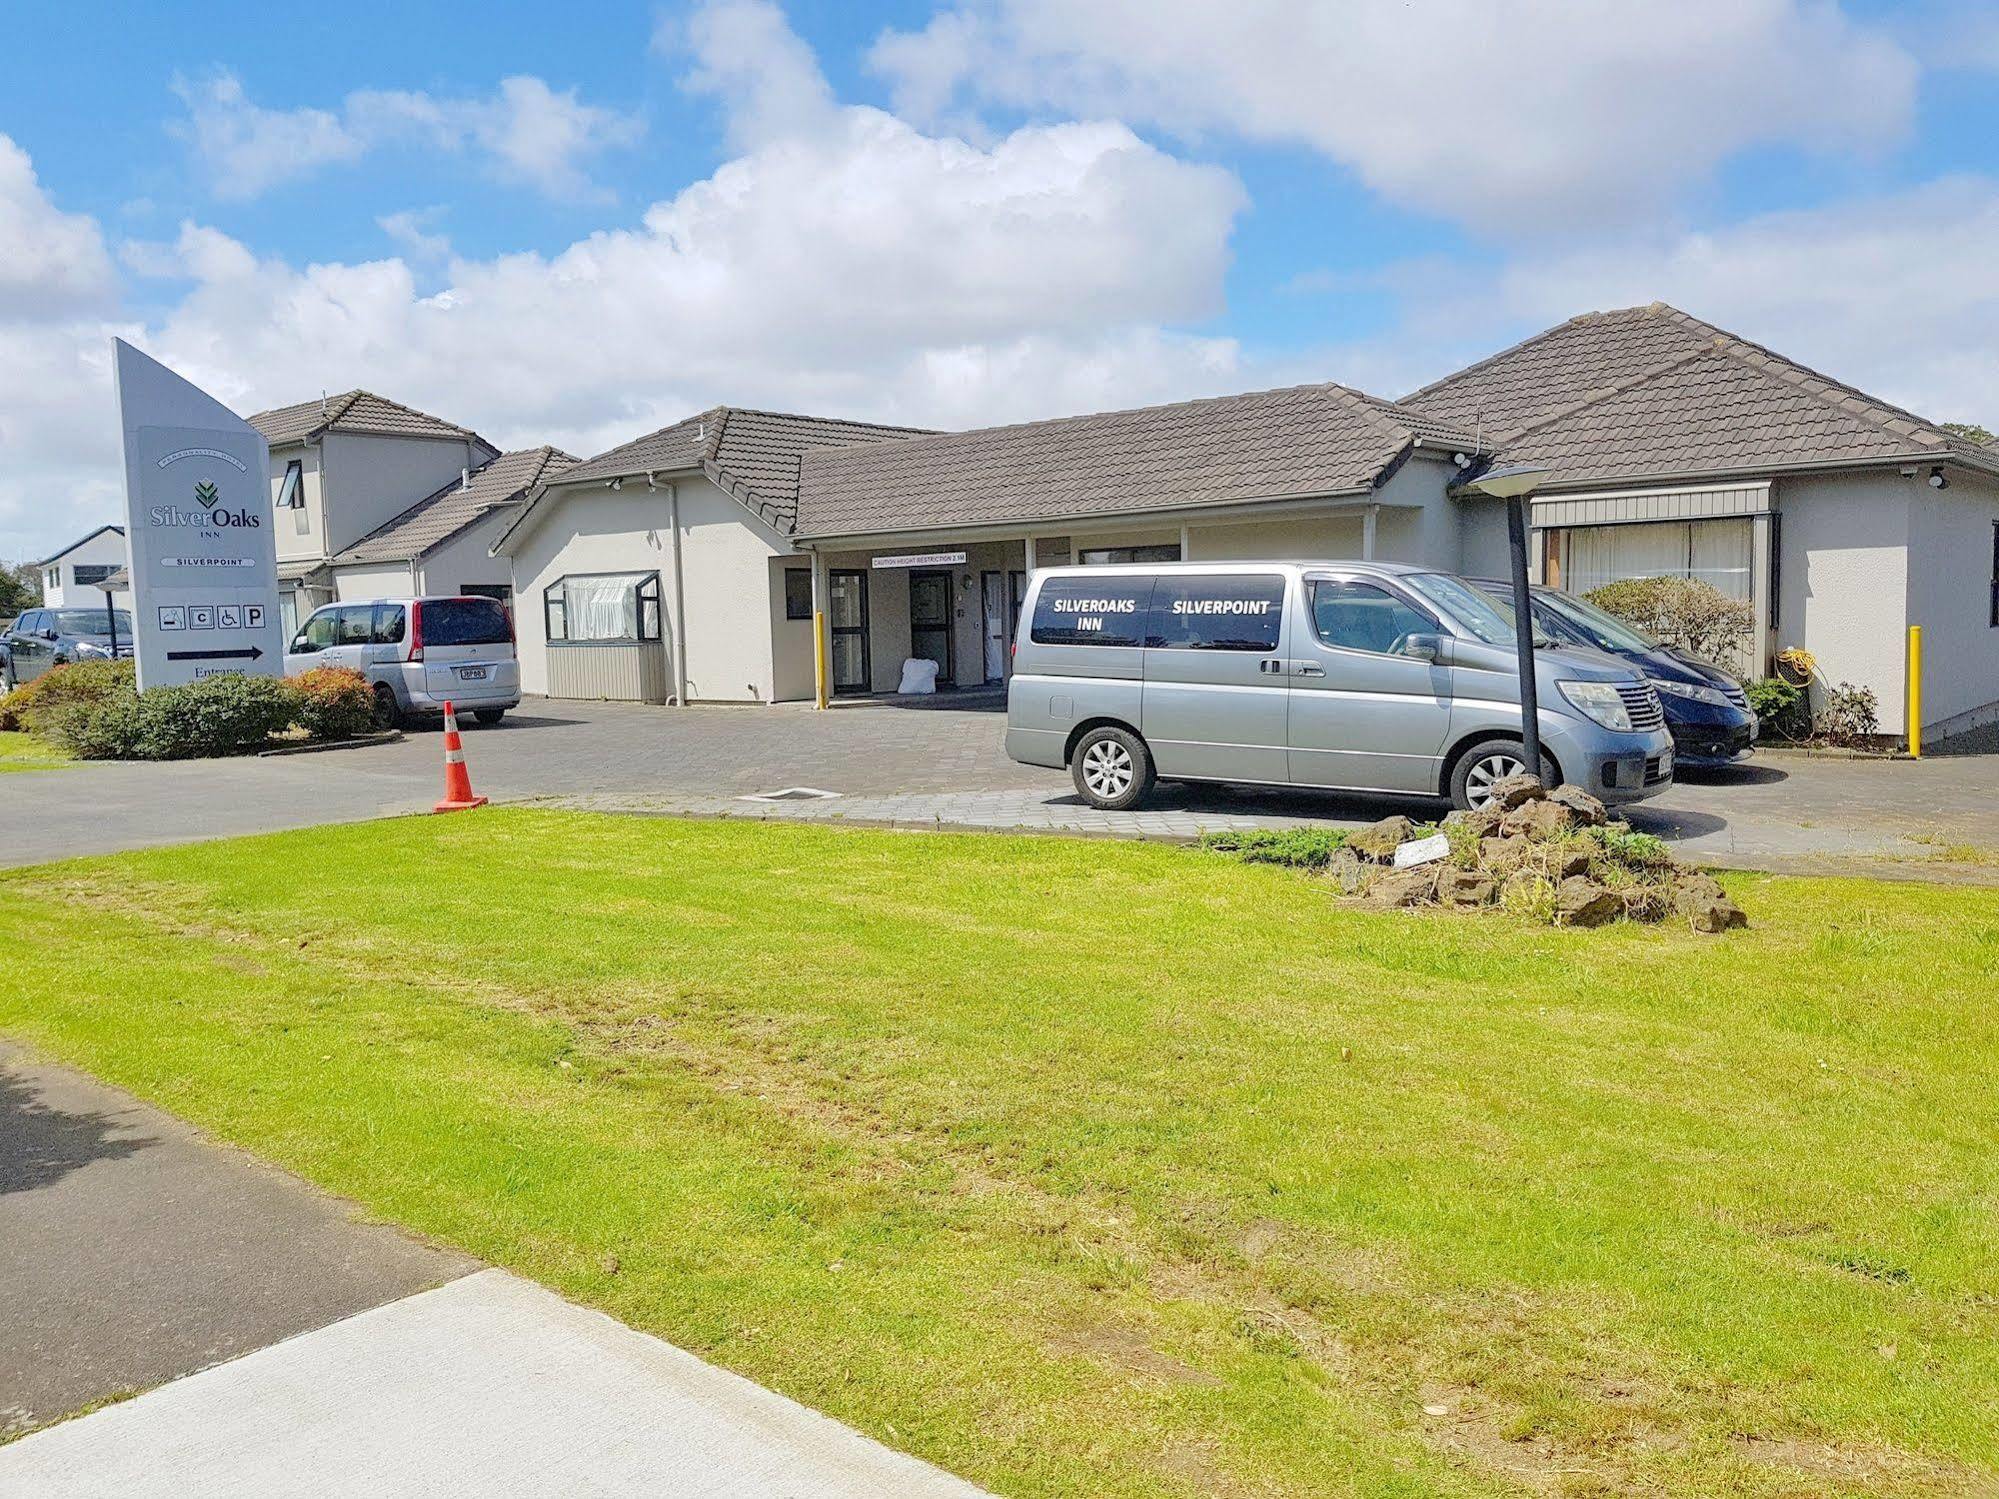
x: 1297, y: 539
x: 379, y: 580
x: 465, y: 558
x: 1950, y: 593
x: 1843, y: 559
x: 299, y: 534
x: 726, y: 563
x: 367, y: 480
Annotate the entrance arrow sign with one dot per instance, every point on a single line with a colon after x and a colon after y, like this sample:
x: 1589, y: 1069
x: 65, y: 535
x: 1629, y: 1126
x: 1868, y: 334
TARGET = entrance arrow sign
x: 252, y: 654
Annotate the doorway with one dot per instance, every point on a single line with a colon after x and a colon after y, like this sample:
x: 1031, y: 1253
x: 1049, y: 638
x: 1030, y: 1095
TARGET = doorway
x: 992, y: 594
x: 847, y: 624
x: 930, y: 623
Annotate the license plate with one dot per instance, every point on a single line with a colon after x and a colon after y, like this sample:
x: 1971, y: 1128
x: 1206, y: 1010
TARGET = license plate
x: 1665, y: 762
x: 471, y: 673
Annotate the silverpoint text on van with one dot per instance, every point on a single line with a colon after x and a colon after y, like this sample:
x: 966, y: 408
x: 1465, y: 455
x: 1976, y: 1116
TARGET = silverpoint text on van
x: 1353, y: 676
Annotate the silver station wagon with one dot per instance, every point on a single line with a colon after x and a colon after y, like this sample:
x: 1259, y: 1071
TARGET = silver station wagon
x: 1358, y: 676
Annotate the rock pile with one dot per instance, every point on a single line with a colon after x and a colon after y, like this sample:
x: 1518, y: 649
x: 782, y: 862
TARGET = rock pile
x: 1553, y: 856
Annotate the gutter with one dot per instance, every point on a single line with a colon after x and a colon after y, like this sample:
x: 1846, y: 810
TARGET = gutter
x: 1682, y: 477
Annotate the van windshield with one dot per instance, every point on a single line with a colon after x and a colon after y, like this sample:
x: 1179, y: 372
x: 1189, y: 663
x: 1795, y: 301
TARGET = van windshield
x: 1464, y: 604
x: 90, y: 622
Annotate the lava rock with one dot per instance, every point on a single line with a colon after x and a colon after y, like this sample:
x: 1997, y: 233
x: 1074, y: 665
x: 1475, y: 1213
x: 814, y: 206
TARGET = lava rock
x: 1378, y: 841
x: 1713, y: 914
x: 1503, y: 856
x: 1402, y: 887
x: 1581, y: 902
x: 1347, y: 871
x: 1482, y: 822
x: 1566, y: 863
x: 1513, y: 791
x: 1465, y: 887
x: 1538, y: 821
x: 1586, y: 809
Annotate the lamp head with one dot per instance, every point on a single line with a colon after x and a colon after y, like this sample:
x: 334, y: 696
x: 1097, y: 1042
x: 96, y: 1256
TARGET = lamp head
x: 1508, y: 481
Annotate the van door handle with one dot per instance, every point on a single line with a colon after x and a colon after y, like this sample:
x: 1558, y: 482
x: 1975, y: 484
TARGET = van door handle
x: 1307, y: 669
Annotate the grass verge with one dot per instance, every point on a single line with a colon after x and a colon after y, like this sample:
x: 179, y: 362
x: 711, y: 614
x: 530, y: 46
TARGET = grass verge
x: 20, y: 751
x: 1110, y: 1169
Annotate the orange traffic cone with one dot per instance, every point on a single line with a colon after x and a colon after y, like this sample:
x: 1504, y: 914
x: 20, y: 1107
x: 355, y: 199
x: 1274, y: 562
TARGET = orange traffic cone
x: 458, y: 795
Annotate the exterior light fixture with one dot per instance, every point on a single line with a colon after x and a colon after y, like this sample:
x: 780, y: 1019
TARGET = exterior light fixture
x: 1937, y: 479
x: 1513, y: 483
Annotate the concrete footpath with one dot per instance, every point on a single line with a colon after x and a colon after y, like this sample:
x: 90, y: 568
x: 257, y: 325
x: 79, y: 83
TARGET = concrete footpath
x: 488, y: 1386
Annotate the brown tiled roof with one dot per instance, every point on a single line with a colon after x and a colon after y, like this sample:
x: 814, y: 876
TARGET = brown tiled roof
x: 1273, y: 444
x: 752, y: 455
x: 353, y: 411
x: 507, y: 480
x: 1651, y: 393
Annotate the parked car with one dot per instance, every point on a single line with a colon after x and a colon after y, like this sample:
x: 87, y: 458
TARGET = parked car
x: 1360, y: 676
x: 43, y: 639
x: 1707, y: 712
x: 418, y: 653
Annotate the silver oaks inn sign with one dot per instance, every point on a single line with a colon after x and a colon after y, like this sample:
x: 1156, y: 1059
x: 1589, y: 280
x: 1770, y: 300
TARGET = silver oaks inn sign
x: 198, y: 522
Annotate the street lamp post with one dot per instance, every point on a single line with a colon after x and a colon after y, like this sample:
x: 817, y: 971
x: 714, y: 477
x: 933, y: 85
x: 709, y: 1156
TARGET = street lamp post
x: 1514, y: 484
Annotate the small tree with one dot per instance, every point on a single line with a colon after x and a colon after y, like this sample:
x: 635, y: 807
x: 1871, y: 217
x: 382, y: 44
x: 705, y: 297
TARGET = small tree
x: 1969, y: 431
x: 1695, y: 616
x: 20, y: 588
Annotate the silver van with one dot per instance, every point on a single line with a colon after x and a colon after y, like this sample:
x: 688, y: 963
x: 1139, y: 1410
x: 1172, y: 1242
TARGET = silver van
x: 1360, y: 676
x: 417, y: 654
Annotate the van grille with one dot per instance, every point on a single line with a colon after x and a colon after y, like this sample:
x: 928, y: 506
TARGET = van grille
x: 1733, y: 691
x: 1642, y: 703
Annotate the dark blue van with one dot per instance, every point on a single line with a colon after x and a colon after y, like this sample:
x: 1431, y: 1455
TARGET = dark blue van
x: 1707, y: 712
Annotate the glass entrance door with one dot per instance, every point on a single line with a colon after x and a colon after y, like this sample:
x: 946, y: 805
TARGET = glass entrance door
x: 847, y: 625
x: 930, y: 622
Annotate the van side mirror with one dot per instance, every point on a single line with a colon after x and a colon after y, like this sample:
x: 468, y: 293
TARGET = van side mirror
x: 1424, y: 647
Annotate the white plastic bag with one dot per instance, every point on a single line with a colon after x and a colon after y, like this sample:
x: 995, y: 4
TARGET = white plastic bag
x: 918, y: 675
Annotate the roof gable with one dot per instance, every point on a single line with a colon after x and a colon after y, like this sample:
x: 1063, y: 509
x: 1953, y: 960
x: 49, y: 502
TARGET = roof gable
x: 55, y: 557
x: 359, y: 411
x: 1275, y: 444
x: 1651, y: 391
x: 506, y: 480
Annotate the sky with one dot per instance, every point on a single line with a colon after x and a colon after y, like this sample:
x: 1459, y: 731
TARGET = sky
x: 574, y: 224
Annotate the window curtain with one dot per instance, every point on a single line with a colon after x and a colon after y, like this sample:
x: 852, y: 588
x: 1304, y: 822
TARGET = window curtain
x: 602, y: 608
x: 1715, y: 551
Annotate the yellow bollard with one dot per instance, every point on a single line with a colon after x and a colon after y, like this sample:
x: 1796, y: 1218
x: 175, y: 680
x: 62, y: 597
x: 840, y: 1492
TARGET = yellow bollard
x: 1915, y: 692
x: 819, y: 659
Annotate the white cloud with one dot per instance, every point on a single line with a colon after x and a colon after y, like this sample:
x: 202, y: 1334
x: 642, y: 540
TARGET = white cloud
x: 849, y: 265
x: 51, y: 263
x: 411, y: 230
x: 1522, y: 116
x: 748, y: 57
x: 526, y: 131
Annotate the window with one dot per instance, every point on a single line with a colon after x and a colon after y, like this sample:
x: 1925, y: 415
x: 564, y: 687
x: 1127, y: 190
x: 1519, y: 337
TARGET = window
x: 1713, y: 551
x: 291, y: 493
x: 1106, y: 610
x: 389, y: 624
x: 1365, y: 617
x: 1221, y: 612
x: 500, y: 593
x: 53, y: 578
x: 1121, y: 555
x: 1993, y: 619
x: 90, y: 574
x: 797, y: 593
x: 464, y: 622
x: 357, y: 625
x: 599, y: 606
x: 317, y: 634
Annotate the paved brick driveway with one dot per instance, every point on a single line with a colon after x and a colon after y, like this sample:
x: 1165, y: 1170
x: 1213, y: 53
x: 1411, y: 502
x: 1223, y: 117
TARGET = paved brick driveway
x: 915, y: 766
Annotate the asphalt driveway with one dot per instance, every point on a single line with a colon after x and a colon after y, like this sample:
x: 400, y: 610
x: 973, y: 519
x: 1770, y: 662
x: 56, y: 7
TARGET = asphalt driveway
x: 941, y: 763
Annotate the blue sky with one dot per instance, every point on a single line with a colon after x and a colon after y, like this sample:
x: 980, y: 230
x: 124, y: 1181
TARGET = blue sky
x: 572, y: 224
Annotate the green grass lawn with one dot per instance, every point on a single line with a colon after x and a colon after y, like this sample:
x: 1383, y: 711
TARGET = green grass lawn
x: 1102, y: 1168
x: 25, y: 752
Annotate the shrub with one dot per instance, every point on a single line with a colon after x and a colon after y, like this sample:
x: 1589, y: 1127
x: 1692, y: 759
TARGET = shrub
x: 1299, y: 848
x: 80, y: 682
x: 1782, y: 706
x: 217, y: 715
x: 1850, y: 716
x: 334, y: 702
x: 1695, y: 616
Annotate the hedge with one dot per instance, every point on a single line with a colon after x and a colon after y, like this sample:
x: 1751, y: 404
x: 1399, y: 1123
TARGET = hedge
x: 96, y: 712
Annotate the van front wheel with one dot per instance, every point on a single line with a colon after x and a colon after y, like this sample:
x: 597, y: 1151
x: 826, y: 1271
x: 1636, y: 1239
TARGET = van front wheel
x: 1112, y: 769
x: 1487, y: 763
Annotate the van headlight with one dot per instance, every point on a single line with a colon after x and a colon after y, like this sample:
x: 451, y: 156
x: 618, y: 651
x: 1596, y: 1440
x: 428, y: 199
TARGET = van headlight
x: 1599, y: 702
x: 85, y: 651
x: 1690, y: 690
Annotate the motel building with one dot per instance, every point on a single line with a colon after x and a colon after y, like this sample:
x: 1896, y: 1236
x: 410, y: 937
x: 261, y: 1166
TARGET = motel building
x: 689, y: 565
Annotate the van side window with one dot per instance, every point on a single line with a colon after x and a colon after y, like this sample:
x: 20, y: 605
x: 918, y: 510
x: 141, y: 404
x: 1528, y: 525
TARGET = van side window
x: 318, y: 632
x: 1364, y: 617
x: 1220, y: 612
x: 357, y: 625
x: 1106, y: 610
x: 388, y: 624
